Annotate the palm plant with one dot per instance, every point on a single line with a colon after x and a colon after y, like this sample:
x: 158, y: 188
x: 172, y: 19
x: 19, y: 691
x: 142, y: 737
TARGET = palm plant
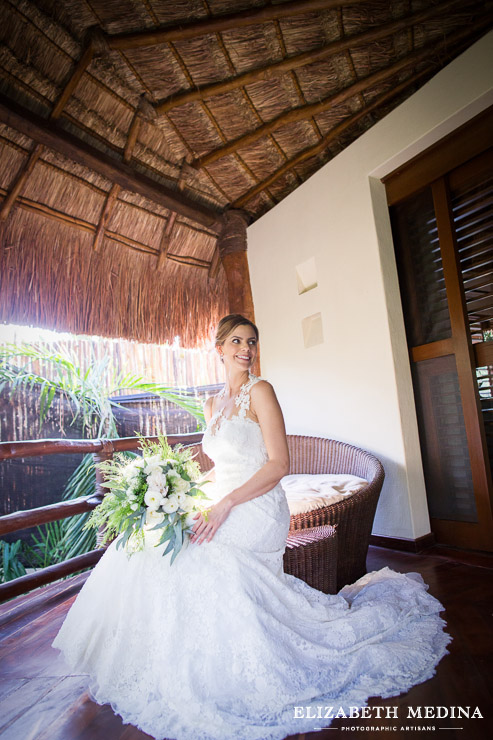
x: 10, y: 563
x: 90, y: 394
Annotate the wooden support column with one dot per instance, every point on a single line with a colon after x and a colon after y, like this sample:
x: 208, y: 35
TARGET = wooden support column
x: 232, y: 247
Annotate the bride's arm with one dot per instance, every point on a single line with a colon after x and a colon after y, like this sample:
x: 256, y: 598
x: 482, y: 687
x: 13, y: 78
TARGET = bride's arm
x: 266, y: 406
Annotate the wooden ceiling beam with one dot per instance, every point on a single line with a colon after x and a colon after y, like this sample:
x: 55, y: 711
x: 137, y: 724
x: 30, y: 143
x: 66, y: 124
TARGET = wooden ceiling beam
x: 165, y: 242
x: 168, y: 231
x: 74, y: 80
x: 112, y: 196
x: 306, y: 111
x: 296, y: 61
x: 219, y: 23
x: 100, y: 191
x: 312, y: 151
x: 48, y: 134
x: 105, y: 216
x: 334, y: 133
x: 20, y: 181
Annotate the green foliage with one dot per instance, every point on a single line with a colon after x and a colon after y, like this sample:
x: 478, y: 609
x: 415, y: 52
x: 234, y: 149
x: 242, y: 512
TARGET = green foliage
x: 90, y: 394
x: 11, y: 565
x: 47, y: 549
x: 115, y: 510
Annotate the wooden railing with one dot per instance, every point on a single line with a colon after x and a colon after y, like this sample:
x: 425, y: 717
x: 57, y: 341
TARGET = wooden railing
x: 101, y: 449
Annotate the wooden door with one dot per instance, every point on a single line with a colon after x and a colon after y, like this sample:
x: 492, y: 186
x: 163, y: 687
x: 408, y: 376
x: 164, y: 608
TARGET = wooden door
x: 443, y: 236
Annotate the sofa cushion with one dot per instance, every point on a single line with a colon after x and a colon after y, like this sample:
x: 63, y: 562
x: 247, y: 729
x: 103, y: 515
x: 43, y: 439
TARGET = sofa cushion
x: 306, y: 492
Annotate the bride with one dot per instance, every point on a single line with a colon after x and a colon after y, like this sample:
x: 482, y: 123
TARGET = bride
x: 223, y: 644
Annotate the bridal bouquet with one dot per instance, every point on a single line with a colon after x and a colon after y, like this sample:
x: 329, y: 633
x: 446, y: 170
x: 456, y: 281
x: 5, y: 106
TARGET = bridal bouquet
x: 160, y: 488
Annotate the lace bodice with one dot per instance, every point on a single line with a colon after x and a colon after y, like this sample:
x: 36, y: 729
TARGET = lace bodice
x: 236, y: 445
x: 242, y: 402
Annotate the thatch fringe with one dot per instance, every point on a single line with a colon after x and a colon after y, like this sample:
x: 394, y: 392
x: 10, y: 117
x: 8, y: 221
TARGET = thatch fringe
x: 50, y: 277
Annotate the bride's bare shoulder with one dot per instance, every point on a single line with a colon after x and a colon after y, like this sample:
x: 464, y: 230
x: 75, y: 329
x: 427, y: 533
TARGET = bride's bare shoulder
x: 262, y: 395
x: 262, y: 389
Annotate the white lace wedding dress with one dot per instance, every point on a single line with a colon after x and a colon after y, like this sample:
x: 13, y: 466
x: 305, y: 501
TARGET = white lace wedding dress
x: 223, y: 645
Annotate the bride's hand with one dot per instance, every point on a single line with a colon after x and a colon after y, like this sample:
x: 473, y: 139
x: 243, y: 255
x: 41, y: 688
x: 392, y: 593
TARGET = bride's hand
x: 210, y: 521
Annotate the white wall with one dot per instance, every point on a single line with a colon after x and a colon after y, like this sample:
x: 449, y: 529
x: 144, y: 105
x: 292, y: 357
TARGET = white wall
x: 356, y: 385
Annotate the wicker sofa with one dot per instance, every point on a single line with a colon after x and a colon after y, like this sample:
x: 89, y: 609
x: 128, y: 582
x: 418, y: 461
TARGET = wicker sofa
x: 353, y: 517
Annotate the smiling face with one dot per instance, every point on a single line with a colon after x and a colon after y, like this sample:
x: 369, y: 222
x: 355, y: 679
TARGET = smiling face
x: 239, y: 349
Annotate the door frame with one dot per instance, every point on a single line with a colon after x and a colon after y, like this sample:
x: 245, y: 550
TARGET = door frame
x: 430, y: 169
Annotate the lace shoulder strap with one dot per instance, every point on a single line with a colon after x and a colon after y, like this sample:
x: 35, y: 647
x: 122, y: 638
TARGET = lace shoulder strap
x: 243, y: 398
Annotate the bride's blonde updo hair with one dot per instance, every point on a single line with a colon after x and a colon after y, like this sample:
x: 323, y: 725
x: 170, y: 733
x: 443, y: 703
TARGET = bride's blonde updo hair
x: 228, y: 324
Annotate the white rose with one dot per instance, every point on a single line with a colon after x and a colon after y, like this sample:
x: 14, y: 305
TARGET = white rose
x: 139, y: 463
x: 181, y: 498
x: 156, y: 478
x: 181, y: 486
x: 169, y: 505
x: 152, y: 464
x: 158, y: 484
x: 189, y: 503
x: 130, y: 472
x: 153, y: 499
x: 154, y: 517
x: 134, y: 507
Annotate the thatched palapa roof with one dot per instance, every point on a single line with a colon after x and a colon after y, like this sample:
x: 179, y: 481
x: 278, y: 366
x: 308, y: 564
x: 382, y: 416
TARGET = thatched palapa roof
x: 128, y: 127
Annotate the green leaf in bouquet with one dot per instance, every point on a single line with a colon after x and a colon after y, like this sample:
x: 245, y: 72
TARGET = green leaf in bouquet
x: 197, y: 493
x: 171, y: 545
x: 178, y: 531
x: 177, y: 549
x: 113, y: 485
x: 124, y: 523
x: 166, y: 536
x: 126, y: 536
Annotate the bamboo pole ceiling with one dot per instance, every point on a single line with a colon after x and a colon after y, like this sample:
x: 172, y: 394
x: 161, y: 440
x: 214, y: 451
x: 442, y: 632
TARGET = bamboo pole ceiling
x: 129, y: 127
